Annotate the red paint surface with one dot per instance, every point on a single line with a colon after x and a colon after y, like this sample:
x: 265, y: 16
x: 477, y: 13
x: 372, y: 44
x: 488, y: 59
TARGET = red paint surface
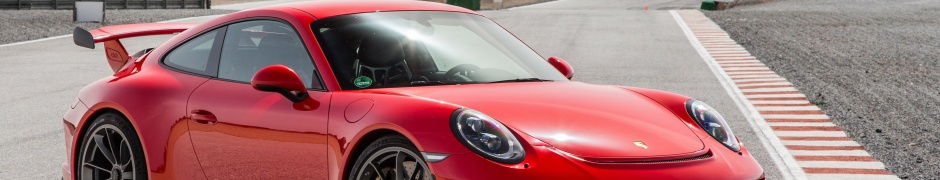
x: 260, y: 135
x: 278, y: 76
x: 116, y: 54
x: 602, y: 124
x: 562, y: 66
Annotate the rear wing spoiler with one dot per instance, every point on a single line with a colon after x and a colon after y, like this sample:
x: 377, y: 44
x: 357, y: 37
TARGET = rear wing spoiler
x: 111, y: 35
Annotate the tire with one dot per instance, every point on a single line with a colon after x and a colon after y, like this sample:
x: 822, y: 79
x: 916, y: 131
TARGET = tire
x: 381, y: 159
x: 110, y: 149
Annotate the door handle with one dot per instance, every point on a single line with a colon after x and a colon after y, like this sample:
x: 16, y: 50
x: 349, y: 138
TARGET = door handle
x: 203, y: 117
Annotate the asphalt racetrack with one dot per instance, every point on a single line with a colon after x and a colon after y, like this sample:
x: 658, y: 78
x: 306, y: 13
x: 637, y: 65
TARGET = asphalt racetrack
x: 870, y: 65
x: 606, y: 41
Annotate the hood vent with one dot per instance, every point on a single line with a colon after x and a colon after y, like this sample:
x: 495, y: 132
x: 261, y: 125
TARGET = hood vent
x: 707, y: 155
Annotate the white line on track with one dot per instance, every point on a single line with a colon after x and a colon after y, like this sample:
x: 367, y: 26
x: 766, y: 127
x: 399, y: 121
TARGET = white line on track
x: 852, y: 176
x: 757, y: 76
x: 784, y: 89
x: 766, y: 84
x: 743, y: 65
x: 727, y: 49
x: 796, y: 116
x: 709, y: 47
x: 774, y: 95
x: 761, y: 80
x: 783, y: 160
x: 69, y: 35
x: 830, y: 153
x: 780, y: 102
x: 842, y: 164
x: 811, y: 134
x: 821, y: 143
x: 728, y: 53
x: 762, y: 72
x: 36, y: 40
x: 721, y: 58
x: 737, y: 62
x: 813, y: 124
x: 748, y: 69
x: 788, y: 108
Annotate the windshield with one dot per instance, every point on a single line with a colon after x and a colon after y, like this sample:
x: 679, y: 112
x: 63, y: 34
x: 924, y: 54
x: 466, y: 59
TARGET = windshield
x: 418, y: 48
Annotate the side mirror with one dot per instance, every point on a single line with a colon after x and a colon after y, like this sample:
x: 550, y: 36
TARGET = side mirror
x: 280, y: 79
x: 562, y: 66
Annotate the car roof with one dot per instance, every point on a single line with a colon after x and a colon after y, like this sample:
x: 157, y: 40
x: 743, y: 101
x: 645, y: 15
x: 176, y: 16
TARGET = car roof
x: 328, y: 8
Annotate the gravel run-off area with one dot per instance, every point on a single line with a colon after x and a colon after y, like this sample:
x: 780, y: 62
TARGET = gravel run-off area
x: 872, y: 65
x: 24, y: 25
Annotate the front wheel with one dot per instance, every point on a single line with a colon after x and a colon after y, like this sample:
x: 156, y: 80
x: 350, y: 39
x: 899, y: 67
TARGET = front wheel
x: 390, y: 158
x: 110, y: 150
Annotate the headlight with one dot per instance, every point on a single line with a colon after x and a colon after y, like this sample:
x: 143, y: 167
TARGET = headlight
x: 486, y: 136
x: 712, y: 122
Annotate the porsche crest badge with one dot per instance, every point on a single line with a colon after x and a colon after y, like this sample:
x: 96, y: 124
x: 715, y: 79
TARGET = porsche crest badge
x: 641, y: 144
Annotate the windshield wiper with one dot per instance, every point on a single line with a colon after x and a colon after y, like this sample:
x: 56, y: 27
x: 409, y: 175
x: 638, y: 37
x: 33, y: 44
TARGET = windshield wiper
x: 416, y: 83
x: 429, y: 83
x: 522, y: 80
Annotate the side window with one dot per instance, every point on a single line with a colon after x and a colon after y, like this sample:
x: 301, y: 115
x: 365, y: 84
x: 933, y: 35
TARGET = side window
x: 193, y: 56
x: 252, y: 45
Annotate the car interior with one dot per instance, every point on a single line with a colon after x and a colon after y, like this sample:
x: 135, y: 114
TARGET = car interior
x: 386, y: 58
x: 399, y: 49
x: 251, y: 46
x: 390, y: 59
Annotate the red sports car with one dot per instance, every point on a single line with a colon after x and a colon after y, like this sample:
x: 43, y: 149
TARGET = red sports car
x: 377, y: 90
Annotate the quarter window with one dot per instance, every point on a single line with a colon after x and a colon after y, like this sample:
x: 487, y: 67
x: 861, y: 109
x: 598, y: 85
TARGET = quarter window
x: 193, y: 56
x: 252, y: 45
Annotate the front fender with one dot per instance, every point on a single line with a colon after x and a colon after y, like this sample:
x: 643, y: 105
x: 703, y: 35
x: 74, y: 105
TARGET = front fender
x: 424, y: 122
x: 675, y: 103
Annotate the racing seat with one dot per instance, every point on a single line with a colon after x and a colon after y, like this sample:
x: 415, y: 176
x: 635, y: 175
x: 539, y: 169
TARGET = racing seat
x: 382, y: 57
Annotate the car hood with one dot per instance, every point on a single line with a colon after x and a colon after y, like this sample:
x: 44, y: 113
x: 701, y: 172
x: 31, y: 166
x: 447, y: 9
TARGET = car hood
x: 585, y: 120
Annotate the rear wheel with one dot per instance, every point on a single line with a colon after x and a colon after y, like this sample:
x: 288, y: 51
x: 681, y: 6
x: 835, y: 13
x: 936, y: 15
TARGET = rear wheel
x: 390, y: 158
x: 110, y: 149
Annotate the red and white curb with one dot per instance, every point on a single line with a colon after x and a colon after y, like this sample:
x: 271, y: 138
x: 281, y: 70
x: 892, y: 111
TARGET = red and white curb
x: 802, y: 140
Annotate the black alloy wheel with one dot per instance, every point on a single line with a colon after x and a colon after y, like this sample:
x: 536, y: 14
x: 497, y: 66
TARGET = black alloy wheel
x: 111, y: 150
x: 391, y: 158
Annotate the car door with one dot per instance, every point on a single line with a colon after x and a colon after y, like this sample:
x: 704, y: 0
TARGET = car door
x: 242, y: 133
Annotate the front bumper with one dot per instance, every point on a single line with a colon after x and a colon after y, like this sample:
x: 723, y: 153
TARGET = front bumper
x: 545, y: 162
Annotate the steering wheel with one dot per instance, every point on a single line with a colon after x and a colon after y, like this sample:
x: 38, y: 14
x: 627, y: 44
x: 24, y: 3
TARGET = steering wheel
x: 460, y: 72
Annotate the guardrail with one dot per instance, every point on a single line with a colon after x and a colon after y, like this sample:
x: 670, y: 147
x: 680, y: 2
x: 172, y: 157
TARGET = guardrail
x: 109, y: 4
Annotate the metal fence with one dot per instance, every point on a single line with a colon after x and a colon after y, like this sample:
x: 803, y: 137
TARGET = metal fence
x: 109, y: 4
